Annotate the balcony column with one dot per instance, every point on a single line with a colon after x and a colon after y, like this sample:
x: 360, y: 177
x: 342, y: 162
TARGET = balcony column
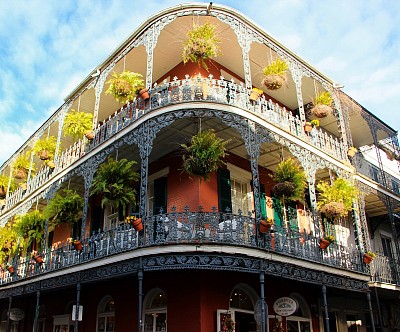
x: 360, y: 221
x: 325, y: 304
x: 262, y: 298
x: 390, y: 208
x: 313, y: 199
x: 150, y: 43
x: 343, y: 122
x: 140, y: 295
x: 78, y: 297
x: 98, y: 89
x: 371, y: 313
x: 297, y: 77
x: 60, y: 118
x: 8, y: 327
x: 35, y: 321
x: 88, y: 178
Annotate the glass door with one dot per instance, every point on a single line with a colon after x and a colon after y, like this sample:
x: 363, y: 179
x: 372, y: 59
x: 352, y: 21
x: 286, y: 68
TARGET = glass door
x: 155, y: 322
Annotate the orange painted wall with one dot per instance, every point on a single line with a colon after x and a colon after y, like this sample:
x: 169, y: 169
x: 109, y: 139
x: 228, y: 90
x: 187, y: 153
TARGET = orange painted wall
x: 62, y: 232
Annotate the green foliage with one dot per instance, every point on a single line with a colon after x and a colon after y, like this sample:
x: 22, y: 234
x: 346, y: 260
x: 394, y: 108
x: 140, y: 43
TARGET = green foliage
x: 77, y: 123
x: 125, y: 86
x: 341, y: 191
x: 4, y: 180
x: 201, y: 45
x: 288, y: 172
x: 324, y: 98
x: 65, y: 208
x: 31, y: 226
x: 48, y: 144
x: 23, y: 163
x: 277, y: 67
x: 8, y: 243
x: 204, y: 154
x: 115, y: 179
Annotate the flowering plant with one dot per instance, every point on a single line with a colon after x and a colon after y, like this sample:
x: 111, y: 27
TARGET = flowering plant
x: 329, y: 238
x: 370, y: 253
x: 228, y: 324
x: 130, y: 219
x: 315, y: 123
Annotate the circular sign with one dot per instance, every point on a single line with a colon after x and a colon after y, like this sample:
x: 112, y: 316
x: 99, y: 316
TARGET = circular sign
x: 17, y: 314
x: 285, y: 306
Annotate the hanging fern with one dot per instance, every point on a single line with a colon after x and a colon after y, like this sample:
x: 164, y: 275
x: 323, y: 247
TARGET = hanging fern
x: 115, y: 179
x: 65, y: 208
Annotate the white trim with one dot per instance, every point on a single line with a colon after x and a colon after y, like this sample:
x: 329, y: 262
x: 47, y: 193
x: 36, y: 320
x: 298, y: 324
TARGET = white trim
x: 239, y: 173
x: 159, y: 174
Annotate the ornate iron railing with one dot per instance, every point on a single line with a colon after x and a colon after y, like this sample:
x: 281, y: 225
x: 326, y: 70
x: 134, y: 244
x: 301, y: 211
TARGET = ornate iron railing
x: 190, y: 228
x: 385, y: 269
x: 181, y: 91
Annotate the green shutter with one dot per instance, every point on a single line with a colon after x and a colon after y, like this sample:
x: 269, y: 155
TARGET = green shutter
x: 224, y: 190
x: 263, y: 202
x: 278, y: 211
x: 160, y: 195
x: 292, y: 215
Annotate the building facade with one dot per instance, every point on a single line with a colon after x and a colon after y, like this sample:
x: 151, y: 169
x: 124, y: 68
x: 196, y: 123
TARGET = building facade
x: 201, y: 262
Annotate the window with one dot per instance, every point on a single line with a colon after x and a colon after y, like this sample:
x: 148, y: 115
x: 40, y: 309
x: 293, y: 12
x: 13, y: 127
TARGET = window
x: 157, y: 191
x: 241, y: 194
x: 106, y: 315
x: 387, y: 246
x: 300, y: 320
x: 155, y: 311
x: 111, y: 217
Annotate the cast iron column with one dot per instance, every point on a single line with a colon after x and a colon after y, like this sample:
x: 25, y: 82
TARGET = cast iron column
x: 35, y: 322
x: 140, y: 296
x: 370, y: 311
x: 8, y: 314
x: 325, y: 309
x: 262, y: 279
x: 78, y: 297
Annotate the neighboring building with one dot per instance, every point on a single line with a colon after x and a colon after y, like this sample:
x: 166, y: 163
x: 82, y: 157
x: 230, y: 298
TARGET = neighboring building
x: 201, y: 257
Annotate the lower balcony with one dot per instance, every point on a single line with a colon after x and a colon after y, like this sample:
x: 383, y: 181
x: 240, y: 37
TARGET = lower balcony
x: 196, y: 229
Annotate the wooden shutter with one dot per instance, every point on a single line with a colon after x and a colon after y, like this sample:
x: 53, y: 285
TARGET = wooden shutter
x: 263, y: 201
x: 160, y: 195
x: 224, y: 190
x: 278, y: 211
x: 292, y: 215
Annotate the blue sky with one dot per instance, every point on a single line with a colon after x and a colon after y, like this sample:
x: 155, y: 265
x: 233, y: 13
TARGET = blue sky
x: 48, y: 47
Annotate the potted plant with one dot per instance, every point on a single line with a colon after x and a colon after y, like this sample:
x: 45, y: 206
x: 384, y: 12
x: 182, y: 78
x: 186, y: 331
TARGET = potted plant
x: 135, y: 222
x: 326, y: 241
x: 126, y: 86
x: 290, y: 180
x: 21, y: 166
x: 308, y: 126
x: 255, y: 93
x: 76, y: 243
x: 336, y: 200
x: 275, y: 74
x: 266, y: 225
x: 45, y: 148
x: 78, y: 124
x: 201, y: 45
x: 322, y: 105
x: 115, y: 180
x: 351, y: 152
x: 9, y: 246
x: 4, y: 181
x: 204, y: 154
x: 368, y: 257
x: 65, y: 207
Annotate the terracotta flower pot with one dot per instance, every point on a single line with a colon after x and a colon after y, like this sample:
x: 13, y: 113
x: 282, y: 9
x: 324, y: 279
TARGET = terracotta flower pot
x: 307, y: 127
x: 254, y: 95
x: 367, y: 259
x: 144, y: 94
x: 11, y: 269
x: 38, y: 259
x: 89, y: 135
x: 78, y: 245
x: 265, y: 227
x: 138, y: 224
x: 323, y: 244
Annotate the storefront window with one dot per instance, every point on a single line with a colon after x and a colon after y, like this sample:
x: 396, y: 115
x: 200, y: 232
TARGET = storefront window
x: 106, y: 315
x: 155, y: 311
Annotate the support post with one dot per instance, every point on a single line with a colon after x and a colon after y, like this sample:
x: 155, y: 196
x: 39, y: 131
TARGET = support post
x: 262, y: 298
x: 326, y: 315
x: 35, y: 322
x: 371, y: 312
x: 140, y: 295
x: 8, y: 328
x: 78, y: 297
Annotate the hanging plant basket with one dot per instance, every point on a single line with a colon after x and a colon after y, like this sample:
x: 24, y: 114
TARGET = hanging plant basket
x: 321, y: 111
x: 322, y: 105
x: 3, y: 192
x: 20, y: 173
x: 285, y: 188
x: 275, y: 75
x: 274, y: 82
x: 44, y: 155
x: 333, y: 209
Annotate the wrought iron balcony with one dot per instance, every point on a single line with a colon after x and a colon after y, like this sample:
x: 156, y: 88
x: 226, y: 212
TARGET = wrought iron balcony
x: 385, y: 269
x: 190, y: 228
x: 197, y: 89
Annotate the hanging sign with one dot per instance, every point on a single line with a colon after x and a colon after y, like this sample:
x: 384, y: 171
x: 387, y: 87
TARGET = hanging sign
x: 17, y: 314
x: 285, y: 306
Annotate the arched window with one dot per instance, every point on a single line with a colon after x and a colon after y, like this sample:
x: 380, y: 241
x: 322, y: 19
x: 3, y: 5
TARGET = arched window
x: 300, y: 320
x: 155, y: 311
x: 106, y: 315
x: 241, y: 308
